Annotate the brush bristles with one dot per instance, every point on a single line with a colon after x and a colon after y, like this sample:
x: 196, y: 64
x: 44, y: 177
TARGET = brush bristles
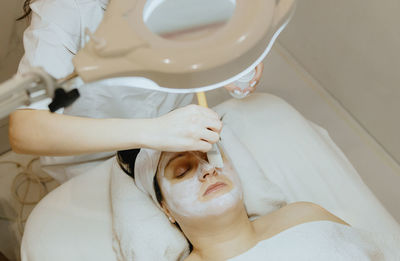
x: 214, y: 157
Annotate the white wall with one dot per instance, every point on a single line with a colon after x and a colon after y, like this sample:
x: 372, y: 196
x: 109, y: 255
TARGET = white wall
x: 352, y: 47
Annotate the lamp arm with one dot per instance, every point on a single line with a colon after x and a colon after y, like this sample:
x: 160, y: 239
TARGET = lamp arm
x: 33, y: 86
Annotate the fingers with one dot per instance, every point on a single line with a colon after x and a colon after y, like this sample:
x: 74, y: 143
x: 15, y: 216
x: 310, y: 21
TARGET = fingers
x: 203, y: 146
x: 190, y: 128
x: 209, y: 136
x: 231, y: 87
x: 214, y: 125
x: 253, y: 83
x: 259, y: 72
x: 257, y: 77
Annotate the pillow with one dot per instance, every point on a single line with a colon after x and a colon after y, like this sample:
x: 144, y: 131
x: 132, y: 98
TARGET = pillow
x: 140, y: 230
x: 260, y: 196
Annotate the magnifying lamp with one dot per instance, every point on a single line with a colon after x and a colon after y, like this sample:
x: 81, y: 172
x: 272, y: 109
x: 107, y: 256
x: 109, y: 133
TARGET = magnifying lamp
x: 180, y: 46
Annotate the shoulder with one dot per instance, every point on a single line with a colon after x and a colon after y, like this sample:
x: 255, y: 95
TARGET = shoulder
x: 193, y: 257
x: 68, y: 12
x: 60, y: 19
x: 308, y: 211
x: 55, y: 33
x: 56, y: 10
x: 291, y: 215
x: 65, y: 14
x: 68, y: 16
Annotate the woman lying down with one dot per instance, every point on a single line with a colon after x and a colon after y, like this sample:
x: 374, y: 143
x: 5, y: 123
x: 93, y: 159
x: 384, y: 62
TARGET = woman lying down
x: 206, y: 204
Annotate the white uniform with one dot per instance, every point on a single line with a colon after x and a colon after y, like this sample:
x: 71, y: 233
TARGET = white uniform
x: 55, y: 35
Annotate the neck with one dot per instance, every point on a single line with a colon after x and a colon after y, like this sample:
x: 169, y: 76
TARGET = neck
x: 222, y: 237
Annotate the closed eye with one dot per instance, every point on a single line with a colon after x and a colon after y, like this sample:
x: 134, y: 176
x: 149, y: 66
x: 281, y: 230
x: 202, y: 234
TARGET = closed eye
x: 183, y: 173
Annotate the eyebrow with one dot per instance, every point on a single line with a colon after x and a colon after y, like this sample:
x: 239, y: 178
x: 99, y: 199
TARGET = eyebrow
x: 174, y: 158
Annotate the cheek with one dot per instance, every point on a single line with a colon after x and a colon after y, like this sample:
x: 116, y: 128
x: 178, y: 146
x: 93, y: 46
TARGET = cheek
x: 182, y: 192
x: 231, y: 173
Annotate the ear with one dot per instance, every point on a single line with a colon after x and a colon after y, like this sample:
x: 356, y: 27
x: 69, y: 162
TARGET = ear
x: 167, y: 213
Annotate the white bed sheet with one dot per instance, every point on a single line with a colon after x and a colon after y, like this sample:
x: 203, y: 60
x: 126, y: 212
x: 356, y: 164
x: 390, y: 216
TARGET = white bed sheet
x: 74, y: 221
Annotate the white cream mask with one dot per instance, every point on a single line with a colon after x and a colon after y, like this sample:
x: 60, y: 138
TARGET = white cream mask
x: 185, y: 197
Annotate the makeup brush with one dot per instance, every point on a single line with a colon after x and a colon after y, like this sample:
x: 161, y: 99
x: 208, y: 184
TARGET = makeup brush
x: 213, y: 155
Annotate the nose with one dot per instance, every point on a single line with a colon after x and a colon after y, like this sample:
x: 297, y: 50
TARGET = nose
x: 207, y: 171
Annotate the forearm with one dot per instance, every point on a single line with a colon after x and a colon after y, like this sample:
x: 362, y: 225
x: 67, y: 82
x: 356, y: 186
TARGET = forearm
x: 45, y: 133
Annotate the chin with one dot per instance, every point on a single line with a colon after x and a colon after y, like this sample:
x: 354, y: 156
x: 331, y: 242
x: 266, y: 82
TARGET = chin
x: 219, y: 204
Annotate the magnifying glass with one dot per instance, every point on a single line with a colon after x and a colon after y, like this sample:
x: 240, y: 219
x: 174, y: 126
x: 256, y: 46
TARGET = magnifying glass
x: 181, y: 46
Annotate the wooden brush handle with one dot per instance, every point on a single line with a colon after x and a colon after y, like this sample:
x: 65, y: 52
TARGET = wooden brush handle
x: 202, y: 100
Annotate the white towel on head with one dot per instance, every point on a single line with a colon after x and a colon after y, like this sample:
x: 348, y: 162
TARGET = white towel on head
x: 145, y: 170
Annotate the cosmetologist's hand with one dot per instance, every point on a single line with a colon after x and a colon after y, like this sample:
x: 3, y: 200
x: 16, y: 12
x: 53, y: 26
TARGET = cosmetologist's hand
x: 191, y: 128
x: 253, y: 83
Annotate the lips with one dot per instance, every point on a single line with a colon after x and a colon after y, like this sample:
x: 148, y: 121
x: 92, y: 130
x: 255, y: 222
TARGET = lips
x: 214, y: 187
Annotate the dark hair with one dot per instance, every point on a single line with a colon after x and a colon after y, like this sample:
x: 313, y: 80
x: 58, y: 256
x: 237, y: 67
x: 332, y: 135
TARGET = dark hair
x: 157, y: 190
x: 126, y: 160
x: 27, y: 10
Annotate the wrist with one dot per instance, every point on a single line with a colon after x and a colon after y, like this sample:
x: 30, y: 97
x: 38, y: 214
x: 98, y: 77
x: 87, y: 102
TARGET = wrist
x: 145, y: 133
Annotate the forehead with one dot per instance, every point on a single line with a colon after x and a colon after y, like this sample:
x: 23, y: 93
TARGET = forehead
x: 164, y: 159
x: 167, y: 156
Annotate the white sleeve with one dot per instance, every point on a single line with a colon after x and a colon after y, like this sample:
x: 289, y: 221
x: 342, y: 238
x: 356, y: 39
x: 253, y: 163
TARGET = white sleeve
x: 51, y: 40
x: 53, y: 37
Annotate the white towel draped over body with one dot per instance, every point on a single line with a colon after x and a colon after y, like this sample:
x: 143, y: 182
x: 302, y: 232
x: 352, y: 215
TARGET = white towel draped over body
x: 325, y: 240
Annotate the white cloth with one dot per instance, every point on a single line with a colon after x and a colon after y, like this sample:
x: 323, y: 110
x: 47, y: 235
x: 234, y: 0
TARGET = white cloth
x: 145, y: 169
x: 55, y: 35
x: 138, y: 219
x: 325, y: 240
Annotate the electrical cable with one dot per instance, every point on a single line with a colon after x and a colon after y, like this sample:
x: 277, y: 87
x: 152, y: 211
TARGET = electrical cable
x: 20, y: 192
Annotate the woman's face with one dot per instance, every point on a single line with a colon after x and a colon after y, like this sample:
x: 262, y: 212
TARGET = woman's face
x: 192, y: 187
